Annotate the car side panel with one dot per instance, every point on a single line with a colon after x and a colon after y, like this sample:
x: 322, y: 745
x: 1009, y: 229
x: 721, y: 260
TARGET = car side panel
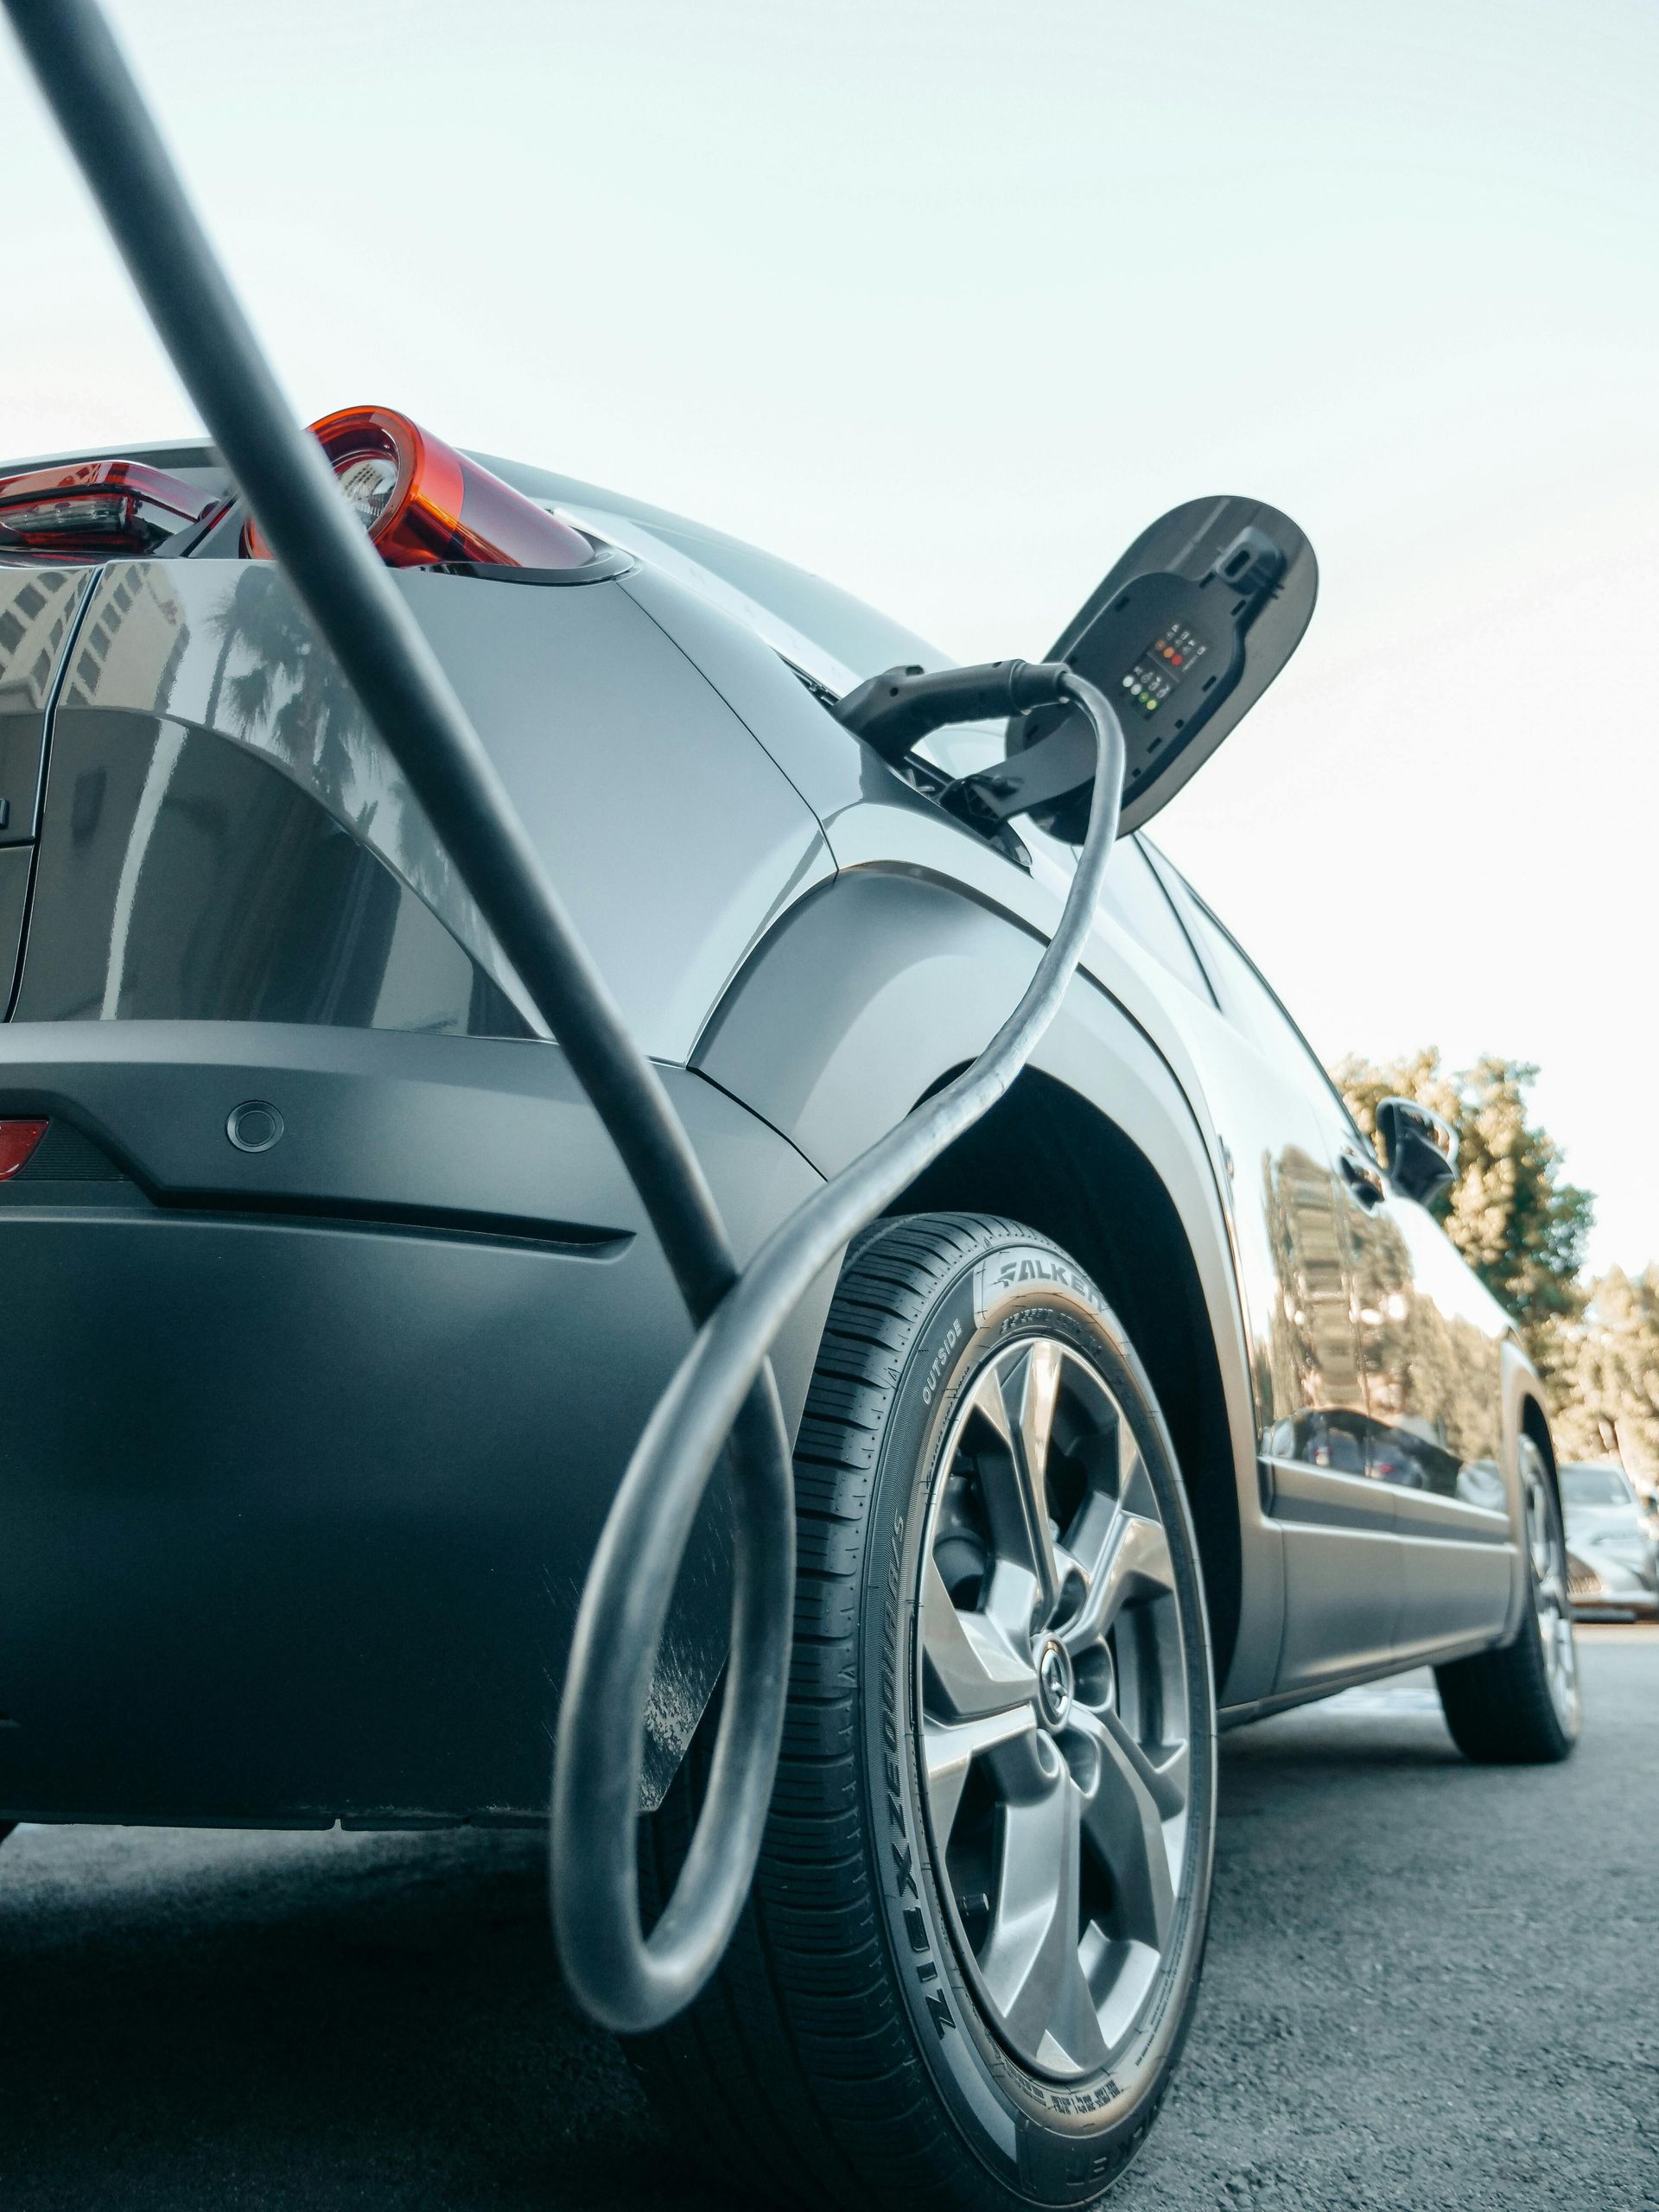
x: 673, y: 839
x: 1406, y: 1547
x: 38, y: 611
x: 1434, y: 1343
x: 885, y: 981
x: 40, y: 608
x: 824, y: 760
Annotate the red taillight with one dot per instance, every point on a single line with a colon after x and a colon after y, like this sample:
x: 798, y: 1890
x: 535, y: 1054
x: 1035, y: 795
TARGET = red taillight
x: 17, y: 1143
x: 421, y: 502
x: 93, y: 507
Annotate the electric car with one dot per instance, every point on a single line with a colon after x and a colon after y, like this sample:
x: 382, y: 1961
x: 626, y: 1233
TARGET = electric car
x: 1158, y: 1403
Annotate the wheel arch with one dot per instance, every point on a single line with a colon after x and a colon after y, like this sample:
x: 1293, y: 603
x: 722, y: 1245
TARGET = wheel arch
x: 1048, y: 1157
x: 1535, y: 1423
x: 876, y: 988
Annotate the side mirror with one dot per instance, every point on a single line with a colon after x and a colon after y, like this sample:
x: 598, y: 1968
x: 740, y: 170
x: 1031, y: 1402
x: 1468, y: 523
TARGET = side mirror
x: 1421, y: 1148
x: 1183, y: 635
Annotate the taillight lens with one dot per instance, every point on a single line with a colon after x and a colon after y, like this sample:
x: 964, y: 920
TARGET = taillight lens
x: 93, y: 507
x: 422, y: 503
x: 17, y: 1143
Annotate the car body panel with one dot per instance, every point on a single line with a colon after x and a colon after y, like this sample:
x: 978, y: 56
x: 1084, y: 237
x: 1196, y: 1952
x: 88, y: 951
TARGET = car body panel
x: 590, y: 709
x: 825, y: 761
x: 1368, y: 1576
x: 180, y: 878
x: 882, y: 983
x: 262, y: 1557
x: 39, y: 608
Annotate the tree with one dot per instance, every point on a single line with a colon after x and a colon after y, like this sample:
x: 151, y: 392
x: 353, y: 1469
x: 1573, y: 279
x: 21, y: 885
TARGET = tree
x: 1510, y: 1213
x: 1611, y: 1397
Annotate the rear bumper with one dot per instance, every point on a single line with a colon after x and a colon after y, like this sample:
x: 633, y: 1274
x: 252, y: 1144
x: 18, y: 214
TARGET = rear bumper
x: 303, y: 1454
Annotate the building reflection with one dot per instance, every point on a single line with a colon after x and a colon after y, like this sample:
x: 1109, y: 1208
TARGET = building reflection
x: 226, y: 647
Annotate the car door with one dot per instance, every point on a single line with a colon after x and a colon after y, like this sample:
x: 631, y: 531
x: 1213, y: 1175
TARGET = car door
x: 1431, y: 1341
x: 1284, y: 1129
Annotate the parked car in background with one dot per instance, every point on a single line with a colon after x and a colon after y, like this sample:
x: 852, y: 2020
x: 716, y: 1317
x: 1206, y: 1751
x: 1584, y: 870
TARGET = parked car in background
x: 1612, y: 1544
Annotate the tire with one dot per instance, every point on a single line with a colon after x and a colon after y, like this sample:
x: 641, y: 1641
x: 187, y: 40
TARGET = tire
x: 870, y: 2042
x: 1519, y: 1706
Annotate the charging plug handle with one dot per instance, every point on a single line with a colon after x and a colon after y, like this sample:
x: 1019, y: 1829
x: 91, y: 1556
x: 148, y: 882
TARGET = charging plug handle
x: 895, y: 710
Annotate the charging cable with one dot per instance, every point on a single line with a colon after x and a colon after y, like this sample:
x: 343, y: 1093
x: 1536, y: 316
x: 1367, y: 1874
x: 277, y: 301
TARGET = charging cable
x: 627, y: 1981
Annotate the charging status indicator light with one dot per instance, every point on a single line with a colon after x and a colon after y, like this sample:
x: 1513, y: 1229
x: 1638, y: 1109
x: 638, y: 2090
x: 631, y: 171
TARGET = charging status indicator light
x: 1167, y: 661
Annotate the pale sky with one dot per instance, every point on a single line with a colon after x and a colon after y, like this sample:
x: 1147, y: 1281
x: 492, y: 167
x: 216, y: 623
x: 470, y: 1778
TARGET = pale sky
x: 948, y: 302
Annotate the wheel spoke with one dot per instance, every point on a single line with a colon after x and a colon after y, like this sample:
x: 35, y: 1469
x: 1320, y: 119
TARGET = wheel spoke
x: 1016, y: 1395
x: 1124, y: 1824
x: 1029, y: 1960
x: 1134, y: 1484
x: 1074, y: 2025
x: 949, y: 1748
x: 1165, y: 1773
x: 969, y: 1669
x: 1132, y: 1561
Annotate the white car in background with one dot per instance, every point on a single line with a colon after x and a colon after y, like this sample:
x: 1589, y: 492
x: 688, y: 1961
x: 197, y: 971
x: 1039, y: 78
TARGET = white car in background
x: 1612, y: 1544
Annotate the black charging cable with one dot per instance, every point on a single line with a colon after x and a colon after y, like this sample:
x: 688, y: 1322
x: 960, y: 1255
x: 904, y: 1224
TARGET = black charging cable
x: 723, y: 1394
x: 624, y: 1980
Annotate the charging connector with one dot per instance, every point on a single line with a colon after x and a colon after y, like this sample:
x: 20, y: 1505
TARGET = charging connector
x: 894, y: 711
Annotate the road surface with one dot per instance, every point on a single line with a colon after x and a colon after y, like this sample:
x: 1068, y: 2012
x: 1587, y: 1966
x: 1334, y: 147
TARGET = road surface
x: 1430, y: 1985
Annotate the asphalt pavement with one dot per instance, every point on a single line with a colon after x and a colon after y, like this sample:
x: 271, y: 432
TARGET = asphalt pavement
x: 1429, y: 1985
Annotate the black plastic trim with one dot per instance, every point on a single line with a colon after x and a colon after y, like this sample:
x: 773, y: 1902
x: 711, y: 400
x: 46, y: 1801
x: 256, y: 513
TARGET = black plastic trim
x: 607, y: 562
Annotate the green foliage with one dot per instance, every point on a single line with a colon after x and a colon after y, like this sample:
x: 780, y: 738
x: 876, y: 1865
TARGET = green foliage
x: 1522, y: 1227
x: 1609, y: 1376
x: 1512, y: 1213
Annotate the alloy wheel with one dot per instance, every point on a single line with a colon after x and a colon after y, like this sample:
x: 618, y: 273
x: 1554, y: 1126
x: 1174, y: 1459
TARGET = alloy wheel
x: 1056, y: 1720
x: 1547, y: 1548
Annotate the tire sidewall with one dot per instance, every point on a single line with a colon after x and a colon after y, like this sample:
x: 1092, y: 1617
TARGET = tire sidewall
x: 1057, y: 2143
x: 1532, y: 1628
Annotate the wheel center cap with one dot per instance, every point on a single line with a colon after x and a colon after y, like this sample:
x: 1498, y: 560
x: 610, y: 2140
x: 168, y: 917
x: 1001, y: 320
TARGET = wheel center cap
x: 1054, y: 1684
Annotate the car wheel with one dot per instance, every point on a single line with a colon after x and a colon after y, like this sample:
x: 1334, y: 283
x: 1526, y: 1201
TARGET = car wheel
x: 974, y: 1942
x: 1519, y: 1706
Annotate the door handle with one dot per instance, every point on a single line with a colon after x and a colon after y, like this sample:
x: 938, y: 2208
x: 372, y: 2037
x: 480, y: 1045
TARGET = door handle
x: 1362, y: 1179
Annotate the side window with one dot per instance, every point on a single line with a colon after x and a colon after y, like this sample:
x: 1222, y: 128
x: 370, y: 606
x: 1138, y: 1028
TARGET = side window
x: 1135, y: 897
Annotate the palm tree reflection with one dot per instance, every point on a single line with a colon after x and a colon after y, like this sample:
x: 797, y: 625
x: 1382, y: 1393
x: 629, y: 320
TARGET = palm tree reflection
x: 284, y: 694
